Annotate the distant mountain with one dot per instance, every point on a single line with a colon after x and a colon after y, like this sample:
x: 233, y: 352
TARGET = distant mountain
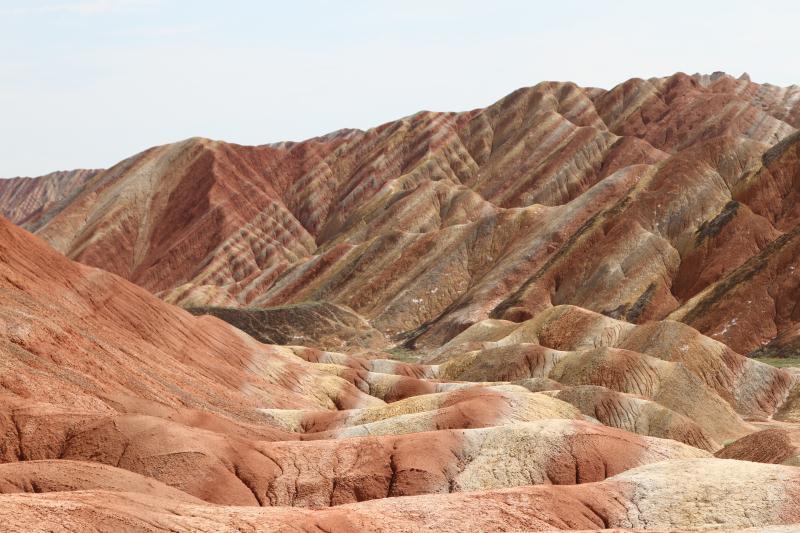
x: 31, y: 201
x: 640, y: 202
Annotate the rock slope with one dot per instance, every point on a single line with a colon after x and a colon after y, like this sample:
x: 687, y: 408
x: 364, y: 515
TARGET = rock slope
x: 32, y: 201
x: 670, y: 197
x: 532, y: 316
x: 118, y: 410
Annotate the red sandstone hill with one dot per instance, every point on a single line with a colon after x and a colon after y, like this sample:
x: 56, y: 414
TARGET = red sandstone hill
x: 32, y: 201
x: 121, y: 411
x: 658, y: 198
x: 576, y: 274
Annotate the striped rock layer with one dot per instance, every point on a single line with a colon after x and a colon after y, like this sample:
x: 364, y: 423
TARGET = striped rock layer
x: 671, y: 197
x: 569, y: 277
x: 31, y: 201
x: 121, y: 411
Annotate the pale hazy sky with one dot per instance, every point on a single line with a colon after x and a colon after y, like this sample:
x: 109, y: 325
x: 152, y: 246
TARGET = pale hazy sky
x: 86, y: 83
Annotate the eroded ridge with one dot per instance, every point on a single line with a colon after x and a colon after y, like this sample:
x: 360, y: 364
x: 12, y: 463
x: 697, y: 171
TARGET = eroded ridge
x: 533, y: 316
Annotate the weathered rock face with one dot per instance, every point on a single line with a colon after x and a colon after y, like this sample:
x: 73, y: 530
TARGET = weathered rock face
x: 80, y: 337
x: 775, y: 445
x: 572, y: 276
x: 713, y: 494
x: 118, y: 408
x: 32, y: 201
x: 653, y: 199
x: 313, y: 324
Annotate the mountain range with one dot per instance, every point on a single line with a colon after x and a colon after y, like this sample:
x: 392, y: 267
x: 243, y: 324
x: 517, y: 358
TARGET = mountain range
x: 550, y: 313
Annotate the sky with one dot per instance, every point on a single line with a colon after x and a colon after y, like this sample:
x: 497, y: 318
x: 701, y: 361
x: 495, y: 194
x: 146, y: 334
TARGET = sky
x: 87, y: 83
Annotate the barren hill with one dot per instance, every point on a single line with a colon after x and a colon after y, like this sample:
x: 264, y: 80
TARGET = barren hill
x: 646, y: 201
x: 533, y: 316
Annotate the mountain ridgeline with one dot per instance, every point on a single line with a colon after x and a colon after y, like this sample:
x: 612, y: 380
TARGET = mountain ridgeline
x: 544, y: 314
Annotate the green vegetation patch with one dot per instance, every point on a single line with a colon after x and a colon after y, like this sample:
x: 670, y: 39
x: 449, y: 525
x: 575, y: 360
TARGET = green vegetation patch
x: 404, y: 355
x: 780, y: 362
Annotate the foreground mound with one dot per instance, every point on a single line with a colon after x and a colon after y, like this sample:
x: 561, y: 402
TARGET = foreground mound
x: 715, y: 494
